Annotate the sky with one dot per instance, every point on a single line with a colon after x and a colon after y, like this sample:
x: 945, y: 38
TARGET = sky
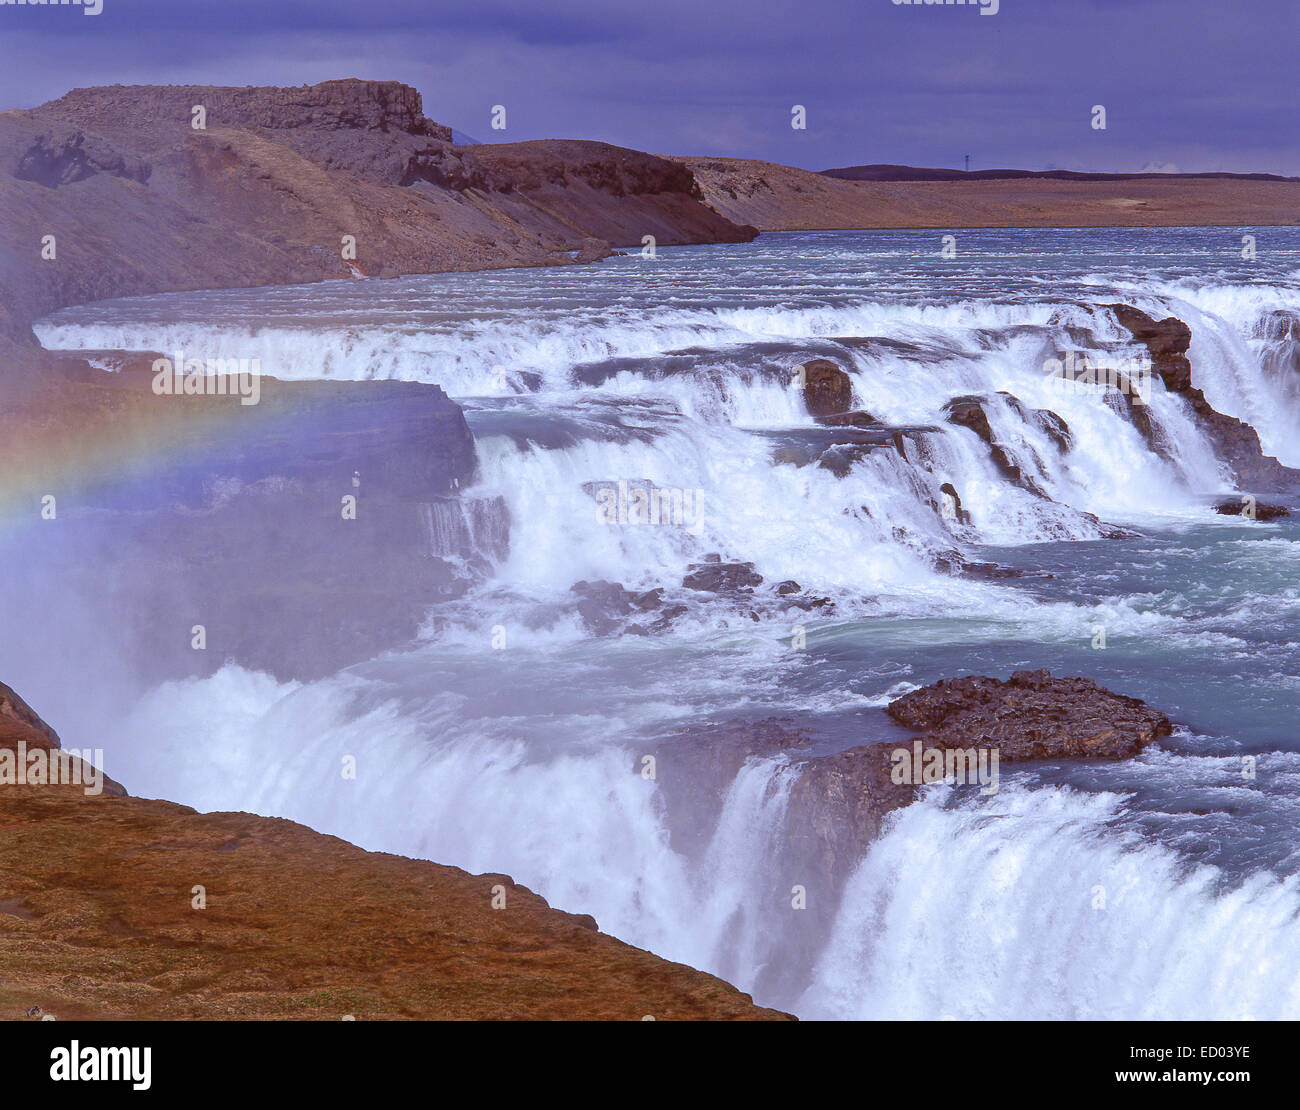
x: 1189, y: 85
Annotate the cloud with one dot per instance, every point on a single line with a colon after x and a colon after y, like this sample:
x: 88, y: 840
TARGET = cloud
x: 1192, y: 81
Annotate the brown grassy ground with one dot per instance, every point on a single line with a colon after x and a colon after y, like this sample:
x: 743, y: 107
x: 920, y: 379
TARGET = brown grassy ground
x: 96, y: 921
x: 774, y: 198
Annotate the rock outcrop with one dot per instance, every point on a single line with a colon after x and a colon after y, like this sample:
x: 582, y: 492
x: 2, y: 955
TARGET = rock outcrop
x: 969, y: 412
x: 22, y: 732
x: 827, y: 389
x: 1031, y: 716
x: 18, y: 721
x: 1235, y: 441
x: 232, y: 517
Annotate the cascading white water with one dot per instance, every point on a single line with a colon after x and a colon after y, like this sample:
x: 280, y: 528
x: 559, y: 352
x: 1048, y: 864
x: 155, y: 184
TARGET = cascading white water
x: 1033, y: 907
x: 579, y: 824
x: 523, y: 759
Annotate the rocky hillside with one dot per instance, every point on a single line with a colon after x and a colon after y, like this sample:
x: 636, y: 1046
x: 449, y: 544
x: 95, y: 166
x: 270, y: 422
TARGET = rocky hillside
x: 782, y: 198
x: 139, y: 199
x: 118, y: 907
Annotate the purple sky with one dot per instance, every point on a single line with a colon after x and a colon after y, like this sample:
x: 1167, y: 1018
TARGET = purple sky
x: 1187, y: 84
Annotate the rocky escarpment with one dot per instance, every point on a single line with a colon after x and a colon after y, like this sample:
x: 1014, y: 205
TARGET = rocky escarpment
x: 132, y: 197
x: 114, y: 907
x: 839, y: 802
x: 1235, y: 442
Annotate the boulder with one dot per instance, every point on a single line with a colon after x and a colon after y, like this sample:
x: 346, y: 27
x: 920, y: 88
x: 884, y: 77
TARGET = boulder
x: 1251, y: 510
x: 1031, y: 716
x: 827, y: 390
x: 968, y: 412
x: 593, y: 250
x: 719, y: 577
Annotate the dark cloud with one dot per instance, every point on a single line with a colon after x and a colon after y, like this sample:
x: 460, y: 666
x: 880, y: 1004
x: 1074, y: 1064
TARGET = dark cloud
x: 1197, y: 84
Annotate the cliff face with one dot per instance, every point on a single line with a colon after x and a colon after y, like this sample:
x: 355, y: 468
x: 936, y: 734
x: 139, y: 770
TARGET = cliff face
x: 139, y: 200
x: 351, y: 105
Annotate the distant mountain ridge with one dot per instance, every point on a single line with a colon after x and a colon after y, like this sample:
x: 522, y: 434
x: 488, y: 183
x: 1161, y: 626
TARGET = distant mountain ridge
x: 885, y: 171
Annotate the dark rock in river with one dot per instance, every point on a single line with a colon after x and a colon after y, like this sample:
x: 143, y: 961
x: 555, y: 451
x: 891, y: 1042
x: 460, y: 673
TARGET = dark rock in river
x: 1251, y: 510
x: 1054, y: 426
x: 720, y: 577
x: 856, y: 419
x: 1031, y: 716
x: 827, y: 390
x: 960, y: 515
x: 609, y: 607
x: 969, y: 412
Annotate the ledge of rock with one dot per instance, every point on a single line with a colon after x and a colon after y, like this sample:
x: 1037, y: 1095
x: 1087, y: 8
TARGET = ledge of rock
x: 1031, y: 716
x: 238, y: 520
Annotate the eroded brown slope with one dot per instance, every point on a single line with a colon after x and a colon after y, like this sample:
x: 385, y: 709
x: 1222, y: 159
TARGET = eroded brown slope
x: 139, y: 201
